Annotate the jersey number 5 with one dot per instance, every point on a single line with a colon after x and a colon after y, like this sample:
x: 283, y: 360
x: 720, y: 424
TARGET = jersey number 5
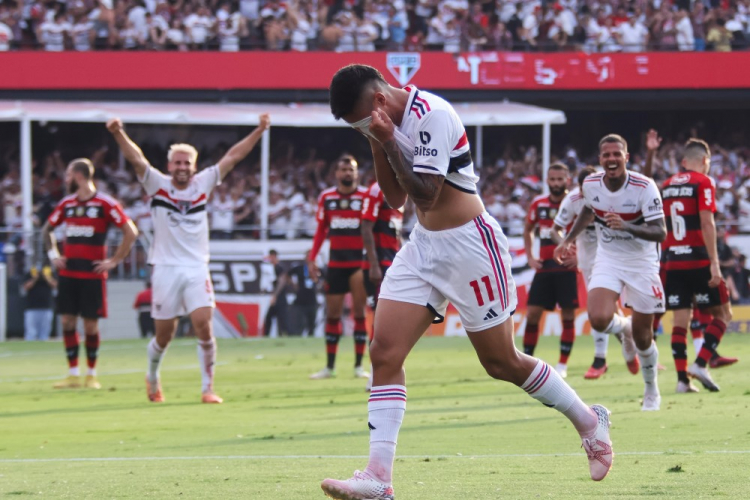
x: 478, y: 291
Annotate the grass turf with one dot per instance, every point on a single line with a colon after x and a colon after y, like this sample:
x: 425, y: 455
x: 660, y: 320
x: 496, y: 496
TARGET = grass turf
x: 278, y: 434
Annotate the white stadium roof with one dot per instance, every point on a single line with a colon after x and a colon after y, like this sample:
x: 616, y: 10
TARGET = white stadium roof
x: 291, y: 115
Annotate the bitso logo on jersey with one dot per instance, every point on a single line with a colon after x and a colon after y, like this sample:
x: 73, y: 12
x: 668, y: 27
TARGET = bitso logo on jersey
x: 403, y: 65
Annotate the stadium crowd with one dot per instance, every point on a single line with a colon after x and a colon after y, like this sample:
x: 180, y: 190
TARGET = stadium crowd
x: 368, y: 25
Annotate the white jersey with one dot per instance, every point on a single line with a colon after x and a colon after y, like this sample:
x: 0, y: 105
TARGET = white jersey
x: 638, y: 201
x: 570, y: 209
x: 179, y: 217
x: 433, y: 139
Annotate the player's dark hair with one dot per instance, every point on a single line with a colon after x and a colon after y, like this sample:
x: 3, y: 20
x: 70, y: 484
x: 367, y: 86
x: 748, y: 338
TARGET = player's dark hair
x: 83, y: 166
x: 693, y: 146
x: 347, y: 86
x: 273, y: 252
x: 585, y: 172
x: 613, y: 138
x: 560, y: 166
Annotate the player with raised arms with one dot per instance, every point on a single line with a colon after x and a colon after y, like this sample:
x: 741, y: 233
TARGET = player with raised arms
x: 457, y: 253
x: 179, y: 252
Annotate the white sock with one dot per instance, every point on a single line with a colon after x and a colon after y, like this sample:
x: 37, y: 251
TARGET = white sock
x: 616, y: 325
x: 207, y: 360
x: 155, y: 353
x: 601, y: 344
x: 546, y: 386
x: 74, y: 371
x: 698, y: 344
x: 91, y: 372
x: 386, y: 409
x: 649, y: 360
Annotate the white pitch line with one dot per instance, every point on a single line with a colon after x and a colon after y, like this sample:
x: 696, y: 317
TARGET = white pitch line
x: 108, y: 373
x: 349, y: 457
x: 11, y: 354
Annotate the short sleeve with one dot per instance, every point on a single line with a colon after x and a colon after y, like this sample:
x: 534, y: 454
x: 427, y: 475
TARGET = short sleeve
x: 371, y: 205
x: 433, y: 144
x: 531, y: 215
x: 586, y: 202
x: 207, y: 179
x: 57, y: 216
x: 707, y: 195
x: 565, y: 214
x: 651, y: 204
x: 116, y: 215
x: 153, y: 180
x: 320, y: 215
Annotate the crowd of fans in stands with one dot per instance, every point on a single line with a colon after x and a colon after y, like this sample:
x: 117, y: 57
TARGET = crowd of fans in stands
x: 368, y: 25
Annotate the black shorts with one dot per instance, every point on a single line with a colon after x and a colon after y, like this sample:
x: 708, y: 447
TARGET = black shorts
x: 682, y: 285
x: 551, y: 288
x: 337, y: 279
x: 86, y: 298
x: 371, y: 289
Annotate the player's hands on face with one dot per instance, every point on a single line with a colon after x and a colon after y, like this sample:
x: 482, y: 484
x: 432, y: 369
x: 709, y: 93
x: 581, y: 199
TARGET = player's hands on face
x: 653, y: 141
x: 102, y: 266
x: 614, y: 221
x: 60, y: 263
x: 265, y: 121
x: 381, y: 127
x: 715, y: 276
x: 114, y: 125
x: 375, y: 274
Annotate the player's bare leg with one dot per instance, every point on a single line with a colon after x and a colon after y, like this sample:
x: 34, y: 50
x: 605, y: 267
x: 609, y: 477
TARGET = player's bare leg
x: 531, y: 334
x: 566, y: 340
x: 202, y: 320
x: 643, y: 335
x: 333, y: 332
x: 72, y: 348
x: 359, y: 302
x: 714, y: 332
x: 91, y: 330
x: 163, y: 332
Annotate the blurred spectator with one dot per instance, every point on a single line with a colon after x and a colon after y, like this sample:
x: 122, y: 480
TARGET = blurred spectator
x: 278, y: 304
x: 632, y: 35
x: 719, y: 37
x: 741, y: 278
x: 305, y: 307
x: 6, y: 36
x: 684, y: 30
x: 39, y: 287
x: 142, y: 304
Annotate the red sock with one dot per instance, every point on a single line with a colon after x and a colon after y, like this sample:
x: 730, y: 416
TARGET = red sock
x: 714, y: 332
x: 567, y: 339
x: 72, y: 346
x: 92, y: 349
x: 333, y: 336
x: 679, y: 351
x: 530, y: 339
x: 657, y: 321
x: 360, y: 340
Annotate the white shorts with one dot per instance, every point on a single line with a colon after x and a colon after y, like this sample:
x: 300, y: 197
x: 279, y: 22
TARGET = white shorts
x: 468, y: 266
x: 642, y: 292
x: 180, y: 290
x: 586, y: 273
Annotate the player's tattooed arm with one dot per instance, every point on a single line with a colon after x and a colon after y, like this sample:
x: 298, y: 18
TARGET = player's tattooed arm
x: 423, y: 189
x: 653, y: 230
x: 392, y: 191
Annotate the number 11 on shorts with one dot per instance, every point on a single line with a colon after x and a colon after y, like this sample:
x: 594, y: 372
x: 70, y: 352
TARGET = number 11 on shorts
x: 478, y: 291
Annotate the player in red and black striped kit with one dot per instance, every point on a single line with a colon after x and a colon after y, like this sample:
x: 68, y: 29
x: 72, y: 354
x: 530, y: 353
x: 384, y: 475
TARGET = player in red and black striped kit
x: 87, y: 215
x: 692, y: 263
x: 553, y: 283
x: 339, y: 217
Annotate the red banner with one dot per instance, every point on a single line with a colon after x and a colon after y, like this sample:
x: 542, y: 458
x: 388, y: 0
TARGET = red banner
x: 432, y: 70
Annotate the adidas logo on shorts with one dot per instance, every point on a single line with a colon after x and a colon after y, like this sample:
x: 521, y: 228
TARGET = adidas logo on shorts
x: 490, y: 315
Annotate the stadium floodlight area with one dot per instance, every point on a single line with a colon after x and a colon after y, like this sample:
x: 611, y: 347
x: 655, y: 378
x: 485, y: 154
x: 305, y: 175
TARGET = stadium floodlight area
x: 478, y: 114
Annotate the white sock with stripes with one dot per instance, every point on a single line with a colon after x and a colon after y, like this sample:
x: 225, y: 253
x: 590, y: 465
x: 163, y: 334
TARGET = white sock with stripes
x: 617, y: 325
x: 386, y: 409
x: 546, y: 386
x: 155, y: 353
x: 601, y: 343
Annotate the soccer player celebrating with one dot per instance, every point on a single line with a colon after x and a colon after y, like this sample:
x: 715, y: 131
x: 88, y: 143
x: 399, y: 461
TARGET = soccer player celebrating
x: 339, y: 217
x: 553, y: 283
x: 692, y: 263
x: 381, y: 235
x: 628, y: 211
x: 179, y: 252
x: 87, y: 215
x: 456, y: 253
x: 570, y: 208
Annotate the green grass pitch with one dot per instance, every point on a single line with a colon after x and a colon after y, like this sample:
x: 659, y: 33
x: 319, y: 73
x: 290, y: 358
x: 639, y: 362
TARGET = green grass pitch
x: 279, y: 434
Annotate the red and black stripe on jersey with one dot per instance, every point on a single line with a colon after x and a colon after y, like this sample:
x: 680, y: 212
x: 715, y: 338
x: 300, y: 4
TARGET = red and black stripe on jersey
x: 542, y: 214
x: 685, y: 195
x: 339, y: 216
x: 386, y: 228
x: 86, y: 225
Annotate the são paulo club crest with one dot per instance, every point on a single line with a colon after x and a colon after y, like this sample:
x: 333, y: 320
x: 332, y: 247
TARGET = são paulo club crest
x: 403, y: 65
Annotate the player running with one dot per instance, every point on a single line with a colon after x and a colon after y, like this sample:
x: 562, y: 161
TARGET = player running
x: 554, y: 283
x: 381, y: 236
x: 179, y: 252
x: 82, y: 288
x: 457, y: 252
x: 692, y: 263
x: 570, y: 208
x: 339, y: 217
x: 627, y: 208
